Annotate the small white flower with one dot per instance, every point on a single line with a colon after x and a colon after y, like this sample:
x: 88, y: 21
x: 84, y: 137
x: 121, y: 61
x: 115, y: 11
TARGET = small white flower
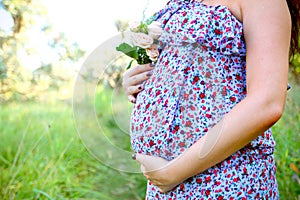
x: 155, y: 30
x: 153, y: 52
x: 134, y: 25
x: 142, y: 40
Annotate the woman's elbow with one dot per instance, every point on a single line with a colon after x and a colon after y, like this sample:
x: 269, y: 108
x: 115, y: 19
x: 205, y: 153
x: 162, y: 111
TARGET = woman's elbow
x: 275, y: 112
x: 274, y: 109
x: 268, y: 108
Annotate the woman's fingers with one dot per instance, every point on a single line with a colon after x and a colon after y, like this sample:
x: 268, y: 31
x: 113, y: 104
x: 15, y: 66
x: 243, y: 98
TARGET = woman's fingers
x: 133, y: 78
x: 138, y: 69
x: 143, y: 169
x: 131, y: 98
x: 131, y: 90
x: 138, y: 78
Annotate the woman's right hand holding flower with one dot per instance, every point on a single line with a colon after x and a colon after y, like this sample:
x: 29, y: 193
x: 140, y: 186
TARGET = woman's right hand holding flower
x: 133, y: 79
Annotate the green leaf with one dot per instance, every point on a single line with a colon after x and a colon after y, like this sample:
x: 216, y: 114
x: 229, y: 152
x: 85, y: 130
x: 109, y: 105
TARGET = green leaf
x: 129, y: 65
x: 128, y: 50
x: 143, y: 28
x: 43, y: 193
x: 143, y: 58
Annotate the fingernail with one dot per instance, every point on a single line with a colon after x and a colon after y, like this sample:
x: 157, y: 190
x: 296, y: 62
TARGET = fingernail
x: 152, y: 65
x: 149, y: 73
x: 134, y: 156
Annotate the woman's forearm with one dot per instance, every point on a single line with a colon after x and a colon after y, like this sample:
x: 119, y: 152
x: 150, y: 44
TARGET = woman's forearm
x: 241, y: 125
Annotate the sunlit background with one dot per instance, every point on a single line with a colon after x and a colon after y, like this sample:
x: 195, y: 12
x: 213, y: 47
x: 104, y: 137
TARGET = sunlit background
x: 58, y: 36
x: 90, y: 22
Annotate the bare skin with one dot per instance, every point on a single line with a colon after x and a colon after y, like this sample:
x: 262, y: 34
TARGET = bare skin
x: 267, y: 27
x: 133, y: 78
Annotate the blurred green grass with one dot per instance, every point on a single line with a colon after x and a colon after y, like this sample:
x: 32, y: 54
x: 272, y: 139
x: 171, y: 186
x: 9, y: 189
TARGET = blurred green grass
x: 42, y: 156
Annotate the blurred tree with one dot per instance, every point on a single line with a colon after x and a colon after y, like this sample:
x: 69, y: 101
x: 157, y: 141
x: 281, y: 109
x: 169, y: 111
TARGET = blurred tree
x: 35, y: 60
x: 295, y: 68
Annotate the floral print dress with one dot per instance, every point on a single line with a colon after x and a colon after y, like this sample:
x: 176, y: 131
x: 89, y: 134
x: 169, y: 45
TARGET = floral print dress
x: 200, y: 76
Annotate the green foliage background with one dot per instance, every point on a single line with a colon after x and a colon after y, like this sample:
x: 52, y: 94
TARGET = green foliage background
x: 23, y: 81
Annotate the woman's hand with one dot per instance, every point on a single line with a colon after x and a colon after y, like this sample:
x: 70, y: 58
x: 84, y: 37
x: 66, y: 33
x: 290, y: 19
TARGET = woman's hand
x: 133, y: 78
x: 155, y: 169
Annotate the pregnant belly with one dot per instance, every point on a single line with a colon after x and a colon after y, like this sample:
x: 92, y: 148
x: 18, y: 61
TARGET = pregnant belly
x: 175, y: 109
x: 151, y: 122
x: 167, y: 119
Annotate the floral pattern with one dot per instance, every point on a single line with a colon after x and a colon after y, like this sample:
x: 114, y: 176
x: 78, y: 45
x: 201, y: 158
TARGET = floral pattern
x: 200, y: 76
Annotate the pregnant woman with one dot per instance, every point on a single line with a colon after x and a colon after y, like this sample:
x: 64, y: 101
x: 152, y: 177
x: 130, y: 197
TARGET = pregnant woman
x: 200, y: 126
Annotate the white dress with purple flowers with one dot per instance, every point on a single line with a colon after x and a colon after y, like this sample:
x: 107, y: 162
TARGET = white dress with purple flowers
x: 200, y: 76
